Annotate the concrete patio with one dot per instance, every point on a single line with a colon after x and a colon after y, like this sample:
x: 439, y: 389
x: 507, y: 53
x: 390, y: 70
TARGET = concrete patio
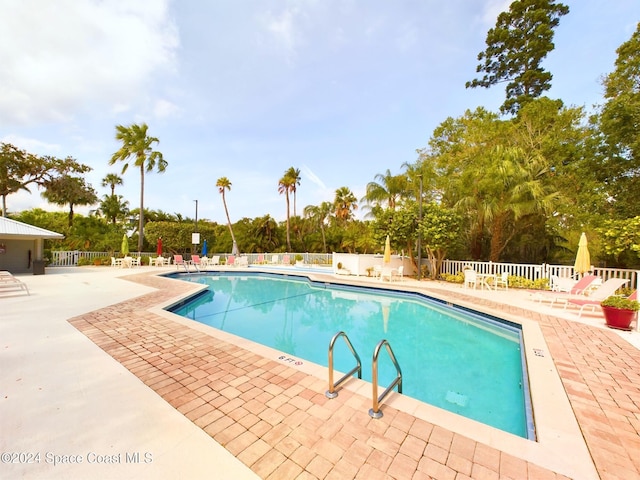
x: 94, y: 373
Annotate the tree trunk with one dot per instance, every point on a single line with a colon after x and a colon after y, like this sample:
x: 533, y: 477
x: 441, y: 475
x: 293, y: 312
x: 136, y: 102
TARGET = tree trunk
x: 141, y: 216
x: 226, y: 211
x: 286, y: 194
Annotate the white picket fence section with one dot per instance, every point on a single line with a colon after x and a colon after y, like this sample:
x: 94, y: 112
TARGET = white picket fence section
x: 71, y: 258
x: 534, y: 272
x: 529, y: 271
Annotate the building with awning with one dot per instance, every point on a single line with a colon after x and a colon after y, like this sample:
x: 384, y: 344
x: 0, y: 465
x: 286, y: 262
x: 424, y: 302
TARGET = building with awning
x: 22, y: 246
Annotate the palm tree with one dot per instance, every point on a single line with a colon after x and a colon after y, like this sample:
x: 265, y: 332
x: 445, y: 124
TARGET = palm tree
x: 389, y: 190
x: 114, y: 207
x: 137, y: 144
x: 223, y: 184
x: 508, y: 188
x: 285, y: 186
x: 344, y: 204
x: 319, y: 215
x: 294, y: 174
x: 111, y: 180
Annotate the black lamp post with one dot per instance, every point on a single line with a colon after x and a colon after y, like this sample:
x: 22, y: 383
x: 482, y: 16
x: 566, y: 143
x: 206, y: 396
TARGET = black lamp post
x: 420, y: 230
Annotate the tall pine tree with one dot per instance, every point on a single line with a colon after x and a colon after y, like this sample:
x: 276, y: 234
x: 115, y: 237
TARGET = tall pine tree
x: 516, y: 46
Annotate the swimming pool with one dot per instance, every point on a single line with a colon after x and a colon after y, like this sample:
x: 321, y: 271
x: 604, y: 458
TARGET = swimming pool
x: 451, y: 358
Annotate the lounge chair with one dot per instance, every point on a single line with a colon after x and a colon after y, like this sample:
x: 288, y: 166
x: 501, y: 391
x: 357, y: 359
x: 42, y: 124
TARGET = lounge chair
x: 275, y: 259
x: 562, y: 284
x: 8, y: 283
x: 196, y: 262
x: 285, y: 260
x: 215, y: 260
x: 179, y: 261
x: 580, y: 287
x: 607, y: 289
x: 260, y: 259
x: 242, y: 262
x: 231, y: 260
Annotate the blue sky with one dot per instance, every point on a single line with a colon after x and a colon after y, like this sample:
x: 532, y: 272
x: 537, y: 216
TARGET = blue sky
x: 341, y: 89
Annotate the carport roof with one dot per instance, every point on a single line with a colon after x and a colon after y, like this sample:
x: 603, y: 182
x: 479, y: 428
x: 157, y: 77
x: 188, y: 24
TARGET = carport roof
x: 12, y: 229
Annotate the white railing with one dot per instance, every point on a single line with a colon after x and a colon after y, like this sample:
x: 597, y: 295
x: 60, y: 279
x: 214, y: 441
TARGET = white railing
x: 71, y: 258
x: 534, y: 272
x: 452, y: 267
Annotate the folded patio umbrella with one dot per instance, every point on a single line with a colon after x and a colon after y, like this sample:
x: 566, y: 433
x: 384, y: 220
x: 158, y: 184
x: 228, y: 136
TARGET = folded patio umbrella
x: 387, y: 251
x: 583, y: 259
x: 125, y: 245
x: 159, y: 248
x: 204, y: 248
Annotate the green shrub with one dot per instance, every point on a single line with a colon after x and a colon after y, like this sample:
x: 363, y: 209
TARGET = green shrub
x: 457, y: 278
x: 622, y: 303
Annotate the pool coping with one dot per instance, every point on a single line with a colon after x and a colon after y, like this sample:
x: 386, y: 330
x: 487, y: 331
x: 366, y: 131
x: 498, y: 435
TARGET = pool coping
x: 557, y: 429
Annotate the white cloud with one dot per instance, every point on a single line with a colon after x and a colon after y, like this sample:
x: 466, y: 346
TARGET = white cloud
x: 65, y: 57
x: 282, y: 29
x: 313, y: 177
x: 31, y: 145
x: 492, y: 9
x: 164, y: 108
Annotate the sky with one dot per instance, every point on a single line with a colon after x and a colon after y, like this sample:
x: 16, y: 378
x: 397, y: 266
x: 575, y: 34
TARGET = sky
x: 340, y: 89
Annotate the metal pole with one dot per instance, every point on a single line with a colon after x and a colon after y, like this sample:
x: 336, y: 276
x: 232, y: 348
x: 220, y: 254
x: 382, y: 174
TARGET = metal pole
x: 420, y: 231
x: 196, y: 215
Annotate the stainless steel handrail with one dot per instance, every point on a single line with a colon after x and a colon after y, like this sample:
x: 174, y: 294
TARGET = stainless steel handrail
x: 332, y: 393
x: 375, y: 411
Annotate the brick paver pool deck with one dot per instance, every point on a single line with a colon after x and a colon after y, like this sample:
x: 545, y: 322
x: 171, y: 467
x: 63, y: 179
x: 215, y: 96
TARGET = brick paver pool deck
x: 277, y: 420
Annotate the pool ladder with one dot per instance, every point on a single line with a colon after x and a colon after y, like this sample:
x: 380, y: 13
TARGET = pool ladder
x: 331, y: 393
x: 375, y: 411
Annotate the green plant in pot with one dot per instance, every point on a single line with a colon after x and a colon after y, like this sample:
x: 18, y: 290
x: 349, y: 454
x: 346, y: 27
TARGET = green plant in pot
x: 619, y: 312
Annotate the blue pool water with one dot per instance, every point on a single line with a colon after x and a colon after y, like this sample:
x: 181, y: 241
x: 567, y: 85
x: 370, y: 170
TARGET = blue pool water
x: 450, y: 358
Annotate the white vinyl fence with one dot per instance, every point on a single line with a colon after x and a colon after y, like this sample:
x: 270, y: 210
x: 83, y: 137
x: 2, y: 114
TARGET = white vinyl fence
x: 71, y: 258
x: 534, y: 272
x: 529, y: 271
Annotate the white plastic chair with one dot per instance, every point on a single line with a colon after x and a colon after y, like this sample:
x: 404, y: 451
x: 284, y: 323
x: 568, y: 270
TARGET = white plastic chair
x: 502, y: 281
x: 398, y: 274
x: 470, y: 278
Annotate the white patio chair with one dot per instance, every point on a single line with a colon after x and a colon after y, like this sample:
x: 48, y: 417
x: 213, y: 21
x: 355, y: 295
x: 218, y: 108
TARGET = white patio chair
x: 502, y: 281
x: 470, y: 278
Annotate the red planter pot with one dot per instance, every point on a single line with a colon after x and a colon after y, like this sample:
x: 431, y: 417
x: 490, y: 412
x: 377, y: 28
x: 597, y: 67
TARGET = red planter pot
x: 619, y: 318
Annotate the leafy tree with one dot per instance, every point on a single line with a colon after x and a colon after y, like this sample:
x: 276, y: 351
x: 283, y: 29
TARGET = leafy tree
x: 68, y: 190
x: 18, y: 169
x: 440, y: 230
x: 264, y: 233
x: 223, y: 184
x: 621, y: 239
x: 138, y: 144
x: 176, y: 237
x: 344, y: 204
x: 401, y: 226
x: 618, y: 121
x: 356, y: 237
x: 516, y: 46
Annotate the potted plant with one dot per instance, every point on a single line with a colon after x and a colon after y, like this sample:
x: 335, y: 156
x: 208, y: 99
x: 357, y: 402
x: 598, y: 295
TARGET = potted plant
x: 619, y: 312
